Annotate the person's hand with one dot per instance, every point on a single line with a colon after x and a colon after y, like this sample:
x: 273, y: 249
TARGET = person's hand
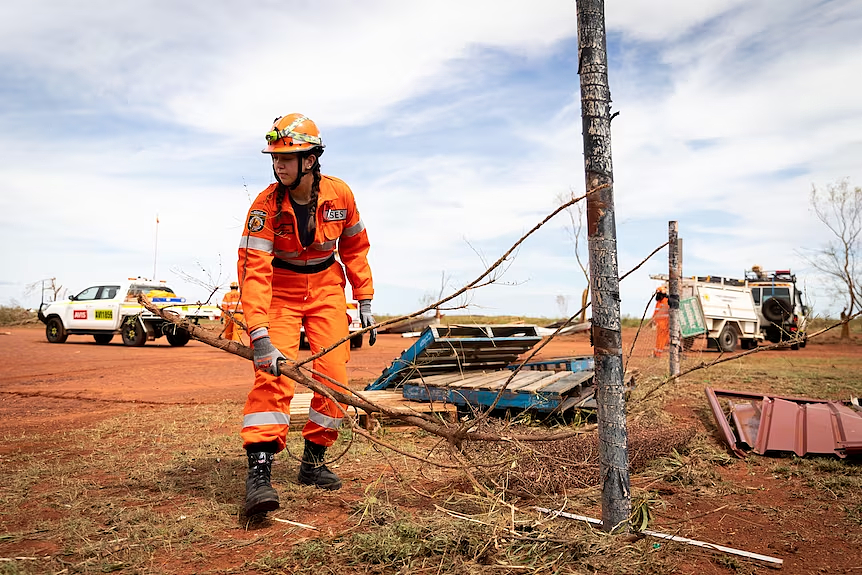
x: 367, y: 319
x: 266, y: 355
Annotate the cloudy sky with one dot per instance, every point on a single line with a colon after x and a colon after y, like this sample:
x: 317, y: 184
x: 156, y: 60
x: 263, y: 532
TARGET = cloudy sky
x: 457, y: 125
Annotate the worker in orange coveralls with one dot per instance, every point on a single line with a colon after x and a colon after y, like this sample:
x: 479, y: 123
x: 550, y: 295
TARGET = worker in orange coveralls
x: 289, y: 278
x: 231, y: 312
x: 661, y: 322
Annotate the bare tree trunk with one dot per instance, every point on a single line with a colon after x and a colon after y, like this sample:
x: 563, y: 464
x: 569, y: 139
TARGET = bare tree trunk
x: 845, y: 327
x: 604, y: 275
x: 673, y: 296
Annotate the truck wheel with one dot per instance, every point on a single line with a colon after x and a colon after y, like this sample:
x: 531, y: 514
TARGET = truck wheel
x: 356, y: 342
x: 134, y: 334
x: 727, y: 339
x: 54, y: 331
x: 777, y: 309
x: 804, y: 342
x: 103, y: 338
x: 178, y: 338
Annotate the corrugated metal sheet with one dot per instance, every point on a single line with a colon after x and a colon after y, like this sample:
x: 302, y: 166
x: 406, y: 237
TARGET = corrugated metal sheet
x: 799, y: 425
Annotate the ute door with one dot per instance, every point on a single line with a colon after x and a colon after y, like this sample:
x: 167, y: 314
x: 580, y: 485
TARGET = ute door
x: 82, y: 313
x: 106, y: 308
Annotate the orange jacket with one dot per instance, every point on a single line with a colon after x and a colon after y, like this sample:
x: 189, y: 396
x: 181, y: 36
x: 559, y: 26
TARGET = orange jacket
x: 231, y: 302
x: 338, y: 226
x: 662, y: 311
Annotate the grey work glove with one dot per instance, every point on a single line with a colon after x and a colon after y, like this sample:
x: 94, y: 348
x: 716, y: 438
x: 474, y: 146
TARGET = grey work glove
x: 367, y: 319
x: 266, y: 355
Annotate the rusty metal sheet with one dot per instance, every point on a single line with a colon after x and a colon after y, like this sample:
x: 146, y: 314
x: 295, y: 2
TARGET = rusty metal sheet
x: 800, y: 425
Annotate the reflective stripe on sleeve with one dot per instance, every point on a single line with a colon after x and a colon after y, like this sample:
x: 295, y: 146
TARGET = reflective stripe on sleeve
x: 285, y: 255
x: 265, y: 418
x: 255, y: 243
x: 353, y: 230
x: 324, y: 420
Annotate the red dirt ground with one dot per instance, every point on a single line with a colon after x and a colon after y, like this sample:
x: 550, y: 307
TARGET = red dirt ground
x: 48, y: 387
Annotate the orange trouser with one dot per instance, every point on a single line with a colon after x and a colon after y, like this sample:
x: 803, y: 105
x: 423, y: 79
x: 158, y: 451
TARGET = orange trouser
x: 232, y: 331
x: 316, y: 301
x: 662, y: 335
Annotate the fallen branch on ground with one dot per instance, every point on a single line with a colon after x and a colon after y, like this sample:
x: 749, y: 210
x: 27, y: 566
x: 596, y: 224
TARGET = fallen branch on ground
x: 454, y: 434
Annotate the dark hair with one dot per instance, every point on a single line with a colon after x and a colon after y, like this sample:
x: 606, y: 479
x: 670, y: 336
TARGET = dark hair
x: 660, y: 295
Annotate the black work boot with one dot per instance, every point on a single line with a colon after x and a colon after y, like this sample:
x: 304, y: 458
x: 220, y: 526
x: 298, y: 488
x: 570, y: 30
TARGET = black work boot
x: 260, y: 496
x: 312, y: 471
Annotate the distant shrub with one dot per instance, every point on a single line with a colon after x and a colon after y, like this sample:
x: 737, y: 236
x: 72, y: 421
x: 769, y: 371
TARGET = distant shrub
x: 16, y: 315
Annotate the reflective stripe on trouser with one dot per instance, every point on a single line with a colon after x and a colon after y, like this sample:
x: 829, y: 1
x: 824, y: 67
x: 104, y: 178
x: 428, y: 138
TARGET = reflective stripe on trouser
x: 318, y: 301
x: 232, y: 331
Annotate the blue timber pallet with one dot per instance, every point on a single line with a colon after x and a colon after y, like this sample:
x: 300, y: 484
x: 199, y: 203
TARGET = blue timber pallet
x: 543, y: 391
x: 578, y: 363
x: 459, y: 349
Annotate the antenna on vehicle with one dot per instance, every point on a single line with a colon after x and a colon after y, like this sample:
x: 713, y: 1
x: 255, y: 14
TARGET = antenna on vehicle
x: 156, y: 246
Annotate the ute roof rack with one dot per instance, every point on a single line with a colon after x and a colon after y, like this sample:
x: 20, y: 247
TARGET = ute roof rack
x: 770, y: 276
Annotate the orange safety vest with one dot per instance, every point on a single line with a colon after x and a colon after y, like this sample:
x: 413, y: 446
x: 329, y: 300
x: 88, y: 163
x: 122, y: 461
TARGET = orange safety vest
x: 338, y: 227
x: 231, y: 302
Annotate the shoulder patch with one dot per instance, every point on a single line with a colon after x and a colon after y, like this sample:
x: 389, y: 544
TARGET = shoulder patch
x: 256, y: 220
x: 334, y: 215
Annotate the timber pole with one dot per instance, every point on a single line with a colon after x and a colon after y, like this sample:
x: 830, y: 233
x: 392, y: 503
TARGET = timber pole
x: 673, y: 273
x: 604, y: 274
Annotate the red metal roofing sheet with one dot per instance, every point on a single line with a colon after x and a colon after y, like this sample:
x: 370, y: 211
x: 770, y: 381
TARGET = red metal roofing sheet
x: 788, y: 424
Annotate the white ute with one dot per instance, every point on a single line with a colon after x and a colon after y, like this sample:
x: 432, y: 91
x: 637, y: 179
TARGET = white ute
x: 108, y: 309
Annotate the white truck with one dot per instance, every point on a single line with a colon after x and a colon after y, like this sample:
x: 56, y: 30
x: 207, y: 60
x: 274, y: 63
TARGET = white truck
x: 783, y: 314
x: 721, y: 308
x: 106, y: 310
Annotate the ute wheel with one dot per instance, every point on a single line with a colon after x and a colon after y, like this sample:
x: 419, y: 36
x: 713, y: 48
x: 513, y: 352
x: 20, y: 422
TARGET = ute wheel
x: 54, y: 331
x: 777, y: 309
x: 727, y: 339
x: 804, y: 342
x: 134, y: 334
x: 356, y: 342
x: 103, y: 338
x: 179, y: 337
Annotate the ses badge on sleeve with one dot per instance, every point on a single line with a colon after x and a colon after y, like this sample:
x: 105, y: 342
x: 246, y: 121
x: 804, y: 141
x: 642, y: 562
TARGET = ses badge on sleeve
x: 256, y: 219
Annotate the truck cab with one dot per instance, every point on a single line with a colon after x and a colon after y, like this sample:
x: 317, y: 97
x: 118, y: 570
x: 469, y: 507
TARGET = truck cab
x: 779, y: 304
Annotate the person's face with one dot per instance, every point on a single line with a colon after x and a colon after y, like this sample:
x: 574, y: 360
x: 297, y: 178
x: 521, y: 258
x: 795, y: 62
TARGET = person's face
x: 287, y: 165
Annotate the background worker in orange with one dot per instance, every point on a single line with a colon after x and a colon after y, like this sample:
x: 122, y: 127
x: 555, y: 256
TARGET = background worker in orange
x: 661, y: 322
x: 231, y: 312
x: 289, y: 278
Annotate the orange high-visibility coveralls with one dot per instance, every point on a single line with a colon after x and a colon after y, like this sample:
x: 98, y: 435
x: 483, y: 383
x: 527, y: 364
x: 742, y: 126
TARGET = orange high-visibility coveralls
x: 231, y: 307
x: 661, y: 319
x: 283, y: 299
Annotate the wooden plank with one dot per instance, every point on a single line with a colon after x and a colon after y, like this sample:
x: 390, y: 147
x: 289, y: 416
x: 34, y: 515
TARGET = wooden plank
x: 302, y: 401
x: 489, y: 380
x: 541, y: 384
x: 567, y: 383
x: 473, y: 377
x: 519, y: 380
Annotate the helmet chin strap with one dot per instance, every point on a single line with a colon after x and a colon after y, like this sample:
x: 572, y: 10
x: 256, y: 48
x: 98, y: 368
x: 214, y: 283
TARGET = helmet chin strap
x: 299, y: 173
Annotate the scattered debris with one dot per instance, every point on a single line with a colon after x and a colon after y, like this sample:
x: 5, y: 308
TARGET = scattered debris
x: 772, y: 561
x: 774, y: 423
